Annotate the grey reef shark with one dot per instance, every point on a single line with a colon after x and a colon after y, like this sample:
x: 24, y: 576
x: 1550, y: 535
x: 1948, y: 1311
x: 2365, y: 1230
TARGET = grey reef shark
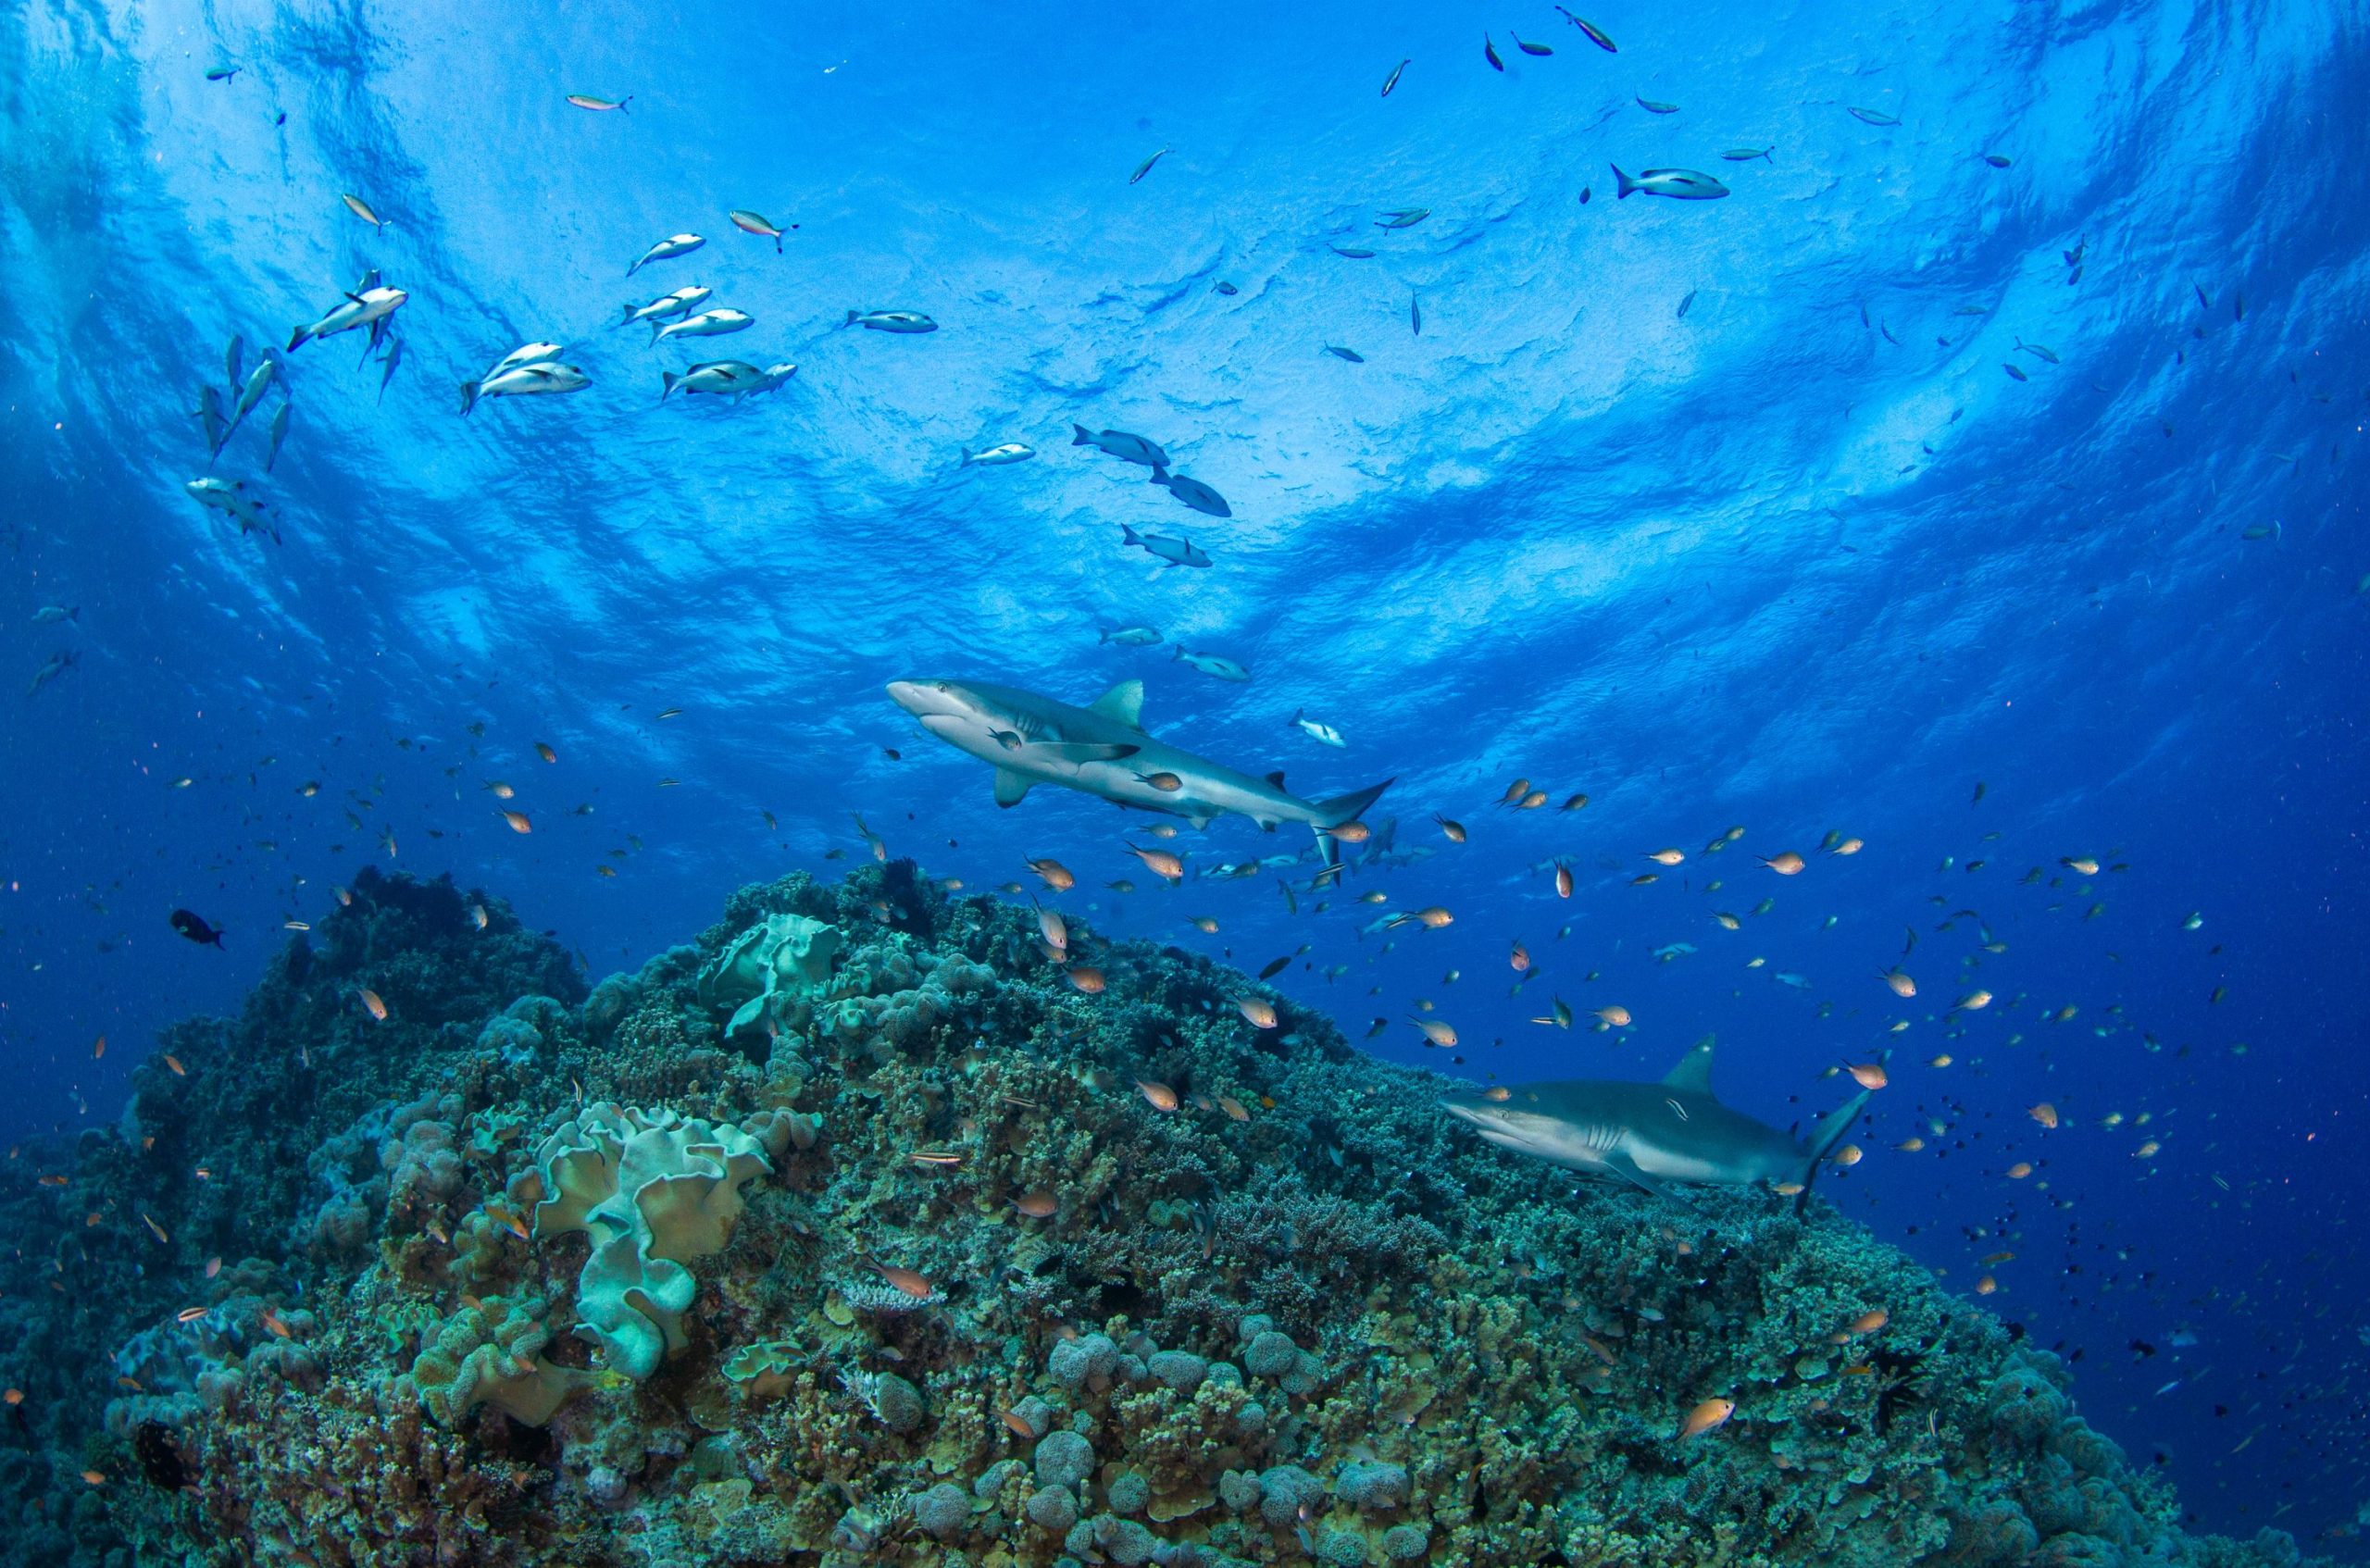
x: 1103, y: 749
x: 1652, y: 1134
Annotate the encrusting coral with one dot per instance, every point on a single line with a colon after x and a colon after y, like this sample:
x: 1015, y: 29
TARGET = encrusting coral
x: 898, y: 1257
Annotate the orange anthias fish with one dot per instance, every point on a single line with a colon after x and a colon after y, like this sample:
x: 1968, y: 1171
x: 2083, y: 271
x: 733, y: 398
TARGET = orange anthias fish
x: 373, y: 1004
x: 1704, y: 1417
x: 1053, y: 874
x: 1160, y: 1097
x: 905, y: 1279
x: 1261, y: 1013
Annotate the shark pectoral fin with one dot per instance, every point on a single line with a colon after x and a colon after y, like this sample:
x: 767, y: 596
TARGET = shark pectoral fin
x: 1619, y: 1163
x: 1010, y: 786
x: 1086, y: 751
x: 1124, y: 702
x: 1199, y: 823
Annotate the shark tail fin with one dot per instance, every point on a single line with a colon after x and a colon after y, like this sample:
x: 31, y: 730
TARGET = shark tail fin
x: 1126, y: 534
x: 469, y: 397
x: 1625, y: 183
x: 1341, y: 809
x: 1082, y: 438
x: 1829, y: 1132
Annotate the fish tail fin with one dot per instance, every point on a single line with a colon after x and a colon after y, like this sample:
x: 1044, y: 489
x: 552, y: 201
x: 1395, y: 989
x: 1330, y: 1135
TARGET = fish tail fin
x: 1625, y: 183
x: 1126, y: 534
x: 1830, y: 1132
x: 655, y: 329
x: 297, y: 338
x: 1295, y: 718
x: 1081, y: 437
x: 1160, y: 473
x: 852, y: 315
x: 623, y: 102
x: 967, y: 457
x: 629, y: 315
x: 669, y: 378
x: 469, y: 397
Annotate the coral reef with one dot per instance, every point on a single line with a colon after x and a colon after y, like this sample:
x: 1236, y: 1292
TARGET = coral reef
x: 847, y: 1234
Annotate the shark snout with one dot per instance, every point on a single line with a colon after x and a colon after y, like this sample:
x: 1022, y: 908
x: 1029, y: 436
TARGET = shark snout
x: 922, y: 698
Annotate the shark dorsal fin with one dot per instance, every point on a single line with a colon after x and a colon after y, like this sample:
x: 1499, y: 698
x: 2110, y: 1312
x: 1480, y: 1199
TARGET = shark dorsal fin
x: 1276, y: 778
x: 1694, y: 1074
x: 1124, y: 702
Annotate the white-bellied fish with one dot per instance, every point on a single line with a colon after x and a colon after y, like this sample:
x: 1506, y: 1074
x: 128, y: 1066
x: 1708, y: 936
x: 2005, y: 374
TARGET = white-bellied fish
x: 278, y: 434
x: 1595, y: 36
x: 524, y: 355
x: 1121, y: 444
x: 706, y: 324
x: 720, y: 377
x: 209, y: 414
x: 1174, y: 552
x: 233, y: 360
x: 369, y: 308
x: 229, y: 497
x: 1145, y: 168
x: 1217, y: 666
x: 1746, y: 155
x: 1656, y: 106
x: 1323, y: 734
x: 361, y: 209
x: 526, y: 381
x: 998, y: 455
x: 1193, y: 492
x: 257, y: 384
x: 600, y: 105
x: 1874, y: 117
x: 890, y: 321
x: 673, y: 246
x: 1393, y: 80
x: 1680, y: 184
x: 1402, y: 218
x: 1130, y: 637
x: 682, y: 302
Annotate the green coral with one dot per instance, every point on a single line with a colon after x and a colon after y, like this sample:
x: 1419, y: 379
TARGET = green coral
x: 786, y: 959
x: 491, y: 1353
x: 654, y: 1190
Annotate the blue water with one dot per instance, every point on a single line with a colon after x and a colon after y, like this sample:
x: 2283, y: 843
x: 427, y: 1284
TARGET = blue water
x: 1725, y: 513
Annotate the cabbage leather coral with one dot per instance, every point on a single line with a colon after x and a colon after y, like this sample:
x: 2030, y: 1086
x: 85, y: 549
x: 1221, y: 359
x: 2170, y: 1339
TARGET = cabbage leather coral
x: 491, y: 1353
x: 789, y: 957
x: 654, y: 1190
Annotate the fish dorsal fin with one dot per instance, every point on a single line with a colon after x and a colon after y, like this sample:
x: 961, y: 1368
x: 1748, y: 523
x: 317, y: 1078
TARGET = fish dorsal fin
x: 1276, y: 778
x: 1124, y: 702
x: 1694, y: 1074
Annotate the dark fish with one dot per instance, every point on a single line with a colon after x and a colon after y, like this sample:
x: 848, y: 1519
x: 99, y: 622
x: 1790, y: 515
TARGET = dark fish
x: 1353, y: 252
x: 1352, y: 355
x: 1995, y: 160
x: 2202, y: 302
x: 194, y: 927
x: 1979, y: 794
x: 223, y: 73
x: 1584, y: 196
x: 1414, y: 317
x: 1656, y: 106
x: 1595, y: 37
x: 1685, y: 303
x: 1276, y: 966
x: 1394, y: 80
x: 1490, y: 52
x: 2238, y: 307
x: 1228, y: 289
x: 1527, y: 47
x: 1874, y: 117
x: 1145, y: 168
x: 2015, y: 373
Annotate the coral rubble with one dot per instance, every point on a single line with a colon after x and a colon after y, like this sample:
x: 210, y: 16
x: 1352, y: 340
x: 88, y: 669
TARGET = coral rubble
x: 857, y: 1232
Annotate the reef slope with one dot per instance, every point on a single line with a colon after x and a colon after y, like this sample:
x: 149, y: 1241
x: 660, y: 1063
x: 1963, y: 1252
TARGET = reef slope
x: 870, y: 1227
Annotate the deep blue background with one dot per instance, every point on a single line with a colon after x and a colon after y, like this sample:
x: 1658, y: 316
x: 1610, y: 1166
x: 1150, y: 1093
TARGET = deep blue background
x: 1748, y: 564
